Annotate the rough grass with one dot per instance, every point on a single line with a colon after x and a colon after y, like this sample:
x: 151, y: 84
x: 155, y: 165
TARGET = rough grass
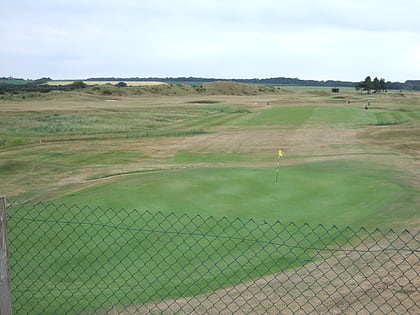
x: 110, y: 123
x: 236, y: 88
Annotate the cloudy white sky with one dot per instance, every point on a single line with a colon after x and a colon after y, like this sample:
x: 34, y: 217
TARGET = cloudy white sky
x: 307, y: 39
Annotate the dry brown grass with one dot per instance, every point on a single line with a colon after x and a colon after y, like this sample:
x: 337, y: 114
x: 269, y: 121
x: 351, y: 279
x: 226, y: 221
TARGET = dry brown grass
x: 353, y: 282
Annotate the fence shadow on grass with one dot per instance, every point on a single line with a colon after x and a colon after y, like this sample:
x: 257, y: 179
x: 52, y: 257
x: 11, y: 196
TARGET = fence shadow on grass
x: 72, y: 259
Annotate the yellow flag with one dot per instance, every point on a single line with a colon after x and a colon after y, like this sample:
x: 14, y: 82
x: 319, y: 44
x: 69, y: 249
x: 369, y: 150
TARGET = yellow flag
x: 281, y: 153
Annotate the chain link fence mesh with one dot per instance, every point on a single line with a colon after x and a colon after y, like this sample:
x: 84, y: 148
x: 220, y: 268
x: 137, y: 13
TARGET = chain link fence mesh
x: 82, y: 260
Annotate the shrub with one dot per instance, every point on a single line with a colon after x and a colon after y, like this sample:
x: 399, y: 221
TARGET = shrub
x: 76, y: 85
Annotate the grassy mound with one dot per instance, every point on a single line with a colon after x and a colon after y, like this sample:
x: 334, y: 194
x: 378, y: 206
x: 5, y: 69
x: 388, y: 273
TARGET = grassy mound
x: 236, y: 88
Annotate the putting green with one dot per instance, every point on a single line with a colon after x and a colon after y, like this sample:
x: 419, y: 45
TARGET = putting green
x: 341, y: 193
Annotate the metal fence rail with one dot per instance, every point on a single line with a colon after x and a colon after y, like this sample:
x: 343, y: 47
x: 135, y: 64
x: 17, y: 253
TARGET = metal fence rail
x: 82, y: 260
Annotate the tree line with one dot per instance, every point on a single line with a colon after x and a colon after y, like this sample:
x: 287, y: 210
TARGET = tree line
x: 17, y: 86
x: 379, y: 85
x: 375, y: 85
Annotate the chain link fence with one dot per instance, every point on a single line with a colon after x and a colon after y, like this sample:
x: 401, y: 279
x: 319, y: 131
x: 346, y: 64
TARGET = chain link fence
x: 82, y: 260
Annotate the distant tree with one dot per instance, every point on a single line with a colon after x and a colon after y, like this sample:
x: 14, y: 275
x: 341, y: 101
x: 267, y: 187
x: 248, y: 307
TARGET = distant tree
x: 76, y: 85
x: 359, y: 86
x: 382, y: 84
x: 376, y: 85
x: 368, y: 84
x: 41, y: 81
x: 121, y: 84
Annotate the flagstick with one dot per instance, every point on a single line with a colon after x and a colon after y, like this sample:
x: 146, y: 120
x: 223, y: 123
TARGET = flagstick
x: 280, y: 154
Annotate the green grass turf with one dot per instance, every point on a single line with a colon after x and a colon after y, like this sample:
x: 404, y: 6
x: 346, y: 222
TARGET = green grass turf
x: 93, y: 258
x: 350, y: 117
x: 84, y: 261
x: 341, y: 193
x: 287, y: 116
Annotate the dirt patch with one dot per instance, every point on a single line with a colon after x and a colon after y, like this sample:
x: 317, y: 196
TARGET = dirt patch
x: 374, y: 282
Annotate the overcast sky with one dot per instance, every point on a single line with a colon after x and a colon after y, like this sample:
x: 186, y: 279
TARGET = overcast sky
x: 307, y: 39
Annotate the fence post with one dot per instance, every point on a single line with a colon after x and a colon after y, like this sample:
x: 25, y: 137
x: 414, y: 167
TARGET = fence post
x: 5, y: 296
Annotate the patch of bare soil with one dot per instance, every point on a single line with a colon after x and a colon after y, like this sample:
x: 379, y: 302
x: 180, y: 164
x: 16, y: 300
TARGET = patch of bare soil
x: 355, y: 281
